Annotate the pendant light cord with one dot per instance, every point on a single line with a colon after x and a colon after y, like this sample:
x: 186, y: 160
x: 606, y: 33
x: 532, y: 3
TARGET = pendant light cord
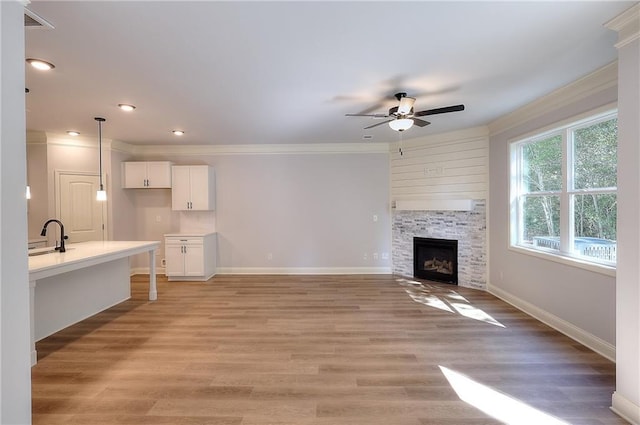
x: 100, y: 121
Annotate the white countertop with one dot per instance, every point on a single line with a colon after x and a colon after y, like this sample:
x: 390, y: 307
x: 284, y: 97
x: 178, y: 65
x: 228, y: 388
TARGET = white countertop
x: 187, y: 234
x: 84, y: 254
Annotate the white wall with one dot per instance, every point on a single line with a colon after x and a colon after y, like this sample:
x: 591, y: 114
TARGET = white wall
x: 448, y: 166
x: 122, y: 223
x: 38, y: 211
x: 15, y: 367
x: 285, y: 212
x: 577, y: 301
x: 626, y: 399
x: 47, y: 154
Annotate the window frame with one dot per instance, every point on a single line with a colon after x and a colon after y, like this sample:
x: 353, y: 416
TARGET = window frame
x: 517, y: 194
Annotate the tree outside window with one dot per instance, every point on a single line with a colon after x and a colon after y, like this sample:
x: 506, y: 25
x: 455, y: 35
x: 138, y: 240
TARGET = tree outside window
x: 564, y: 187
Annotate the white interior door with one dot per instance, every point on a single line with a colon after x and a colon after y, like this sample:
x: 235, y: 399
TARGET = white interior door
x: 83, y: 217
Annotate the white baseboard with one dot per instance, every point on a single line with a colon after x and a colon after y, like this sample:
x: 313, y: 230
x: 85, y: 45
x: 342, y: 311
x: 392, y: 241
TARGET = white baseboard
x: 585, y: 338
x: 625, y: 408
x: 303, y: 270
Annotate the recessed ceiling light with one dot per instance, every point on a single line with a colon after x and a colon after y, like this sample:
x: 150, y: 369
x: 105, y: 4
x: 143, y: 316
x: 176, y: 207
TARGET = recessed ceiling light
x: 73, y: 133
x: 40, y: 64
x: 126, y: 107
x: 178, y: 132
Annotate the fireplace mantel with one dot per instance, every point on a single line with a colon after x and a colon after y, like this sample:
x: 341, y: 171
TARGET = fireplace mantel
x: 434, y: 205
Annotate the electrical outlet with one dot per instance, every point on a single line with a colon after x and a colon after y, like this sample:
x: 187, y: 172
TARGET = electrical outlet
x: 364, y: 257
x: 270, y: 256
x: 375, y: 217
x: 385, y: 255
x: 375, y: 255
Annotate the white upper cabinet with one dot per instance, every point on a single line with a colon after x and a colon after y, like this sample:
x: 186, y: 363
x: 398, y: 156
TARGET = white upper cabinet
x: 193, y: 188
x: 146, y: 174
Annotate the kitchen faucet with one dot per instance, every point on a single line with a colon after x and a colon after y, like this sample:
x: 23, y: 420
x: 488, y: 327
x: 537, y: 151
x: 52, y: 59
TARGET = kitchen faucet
x: 62, y: 236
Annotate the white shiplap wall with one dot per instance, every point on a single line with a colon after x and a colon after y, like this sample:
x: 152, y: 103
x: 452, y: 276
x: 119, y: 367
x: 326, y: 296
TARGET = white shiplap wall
x: 445, y: 166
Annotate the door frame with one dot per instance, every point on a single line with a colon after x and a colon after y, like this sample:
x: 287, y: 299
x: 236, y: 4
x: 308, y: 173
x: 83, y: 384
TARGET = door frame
x: 58, y: 206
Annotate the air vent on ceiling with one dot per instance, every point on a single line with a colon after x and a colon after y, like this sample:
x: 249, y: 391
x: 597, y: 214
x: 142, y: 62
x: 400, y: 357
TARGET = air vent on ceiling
x: 33, y: 20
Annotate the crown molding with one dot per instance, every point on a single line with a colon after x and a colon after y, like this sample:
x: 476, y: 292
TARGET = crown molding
x: 604, y: 78
x: 40, y: 137
x: 627, y: 25
x: 56, y: 139
x: 270, y: 149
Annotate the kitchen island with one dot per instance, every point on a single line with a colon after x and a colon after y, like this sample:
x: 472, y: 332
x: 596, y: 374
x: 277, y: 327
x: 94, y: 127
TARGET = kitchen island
x: 88, y: 278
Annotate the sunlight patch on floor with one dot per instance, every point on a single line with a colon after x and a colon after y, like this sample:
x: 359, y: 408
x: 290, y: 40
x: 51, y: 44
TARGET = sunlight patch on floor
x: 450, y: 301
x: 496, y: 404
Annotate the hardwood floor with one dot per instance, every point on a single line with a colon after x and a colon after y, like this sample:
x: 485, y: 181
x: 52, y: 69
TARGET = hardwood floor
x: 321, y: 350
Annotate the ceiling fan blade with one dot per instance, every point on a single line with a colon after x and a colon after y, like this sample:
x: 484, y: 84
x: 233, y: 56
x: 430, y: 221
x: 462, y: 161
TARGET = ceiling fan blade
x: 367, y: 115
x: 377, y: 124
x: 444, y: 110
x: 420, y: 123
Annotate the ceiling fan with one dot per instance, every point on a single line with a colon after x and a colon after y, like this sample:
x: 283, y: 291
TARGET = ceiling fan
x: 403, y: 117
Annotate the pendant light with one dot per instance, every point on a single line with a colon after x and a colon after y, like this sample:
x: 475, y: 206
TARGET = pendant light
x: 101, y: 195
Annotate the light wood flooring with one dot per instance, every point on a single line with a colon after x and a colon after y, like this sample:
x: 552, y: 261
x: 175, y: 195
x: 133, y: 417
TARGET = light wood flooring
x: 316, y: 350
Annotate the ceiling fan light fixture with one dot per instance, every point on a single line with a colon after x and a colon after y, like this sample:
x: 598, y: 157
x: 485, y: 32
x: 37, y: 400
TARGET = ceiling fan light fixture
x: 178, y: 132
x: 401, y: 124
x: 40, y: 64
x: 406, y: 105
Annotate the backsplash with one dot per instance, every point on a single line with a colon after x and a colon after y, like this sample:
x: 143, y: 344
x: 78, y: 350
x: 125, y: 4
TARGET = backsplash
x: 468, y: 227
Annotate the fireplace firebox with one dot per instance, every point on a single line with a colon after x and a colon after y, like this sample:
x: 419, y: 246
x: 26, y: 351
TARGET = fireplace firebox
x: 435, y: 259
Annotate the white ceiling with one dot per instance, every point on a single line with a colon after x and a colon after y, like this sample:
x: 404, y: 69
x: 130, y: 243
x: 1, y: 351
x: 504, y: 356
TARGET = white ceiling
x: 288, y: 72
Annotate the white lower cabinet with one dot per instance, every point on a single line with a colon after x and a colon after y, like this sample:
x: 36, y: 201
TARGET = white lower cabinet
x: 190, y: 256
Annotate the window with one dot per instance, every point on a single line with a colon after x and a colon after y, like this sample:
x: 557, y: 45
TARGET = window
x: 563, y: 190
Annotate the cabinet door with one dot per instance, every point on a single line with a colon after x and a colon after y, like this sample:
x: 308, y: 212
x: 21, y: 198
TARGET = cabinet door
x: 135, y: 174
x: 200, y: 188
x: 180, y: 190
x: 174, y: 258
x: 159, y: 174
x: 194, y: 260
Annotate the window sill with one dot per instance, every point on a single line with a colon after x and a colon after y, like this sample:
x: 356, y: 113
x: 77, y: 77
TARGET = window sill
x: 568, y: 261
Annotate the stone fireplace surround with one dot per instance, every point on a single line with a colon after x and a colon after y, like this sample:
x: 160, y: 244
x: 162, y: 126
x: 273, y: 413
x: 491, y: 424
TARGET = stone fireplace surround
x: 468, y: 227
